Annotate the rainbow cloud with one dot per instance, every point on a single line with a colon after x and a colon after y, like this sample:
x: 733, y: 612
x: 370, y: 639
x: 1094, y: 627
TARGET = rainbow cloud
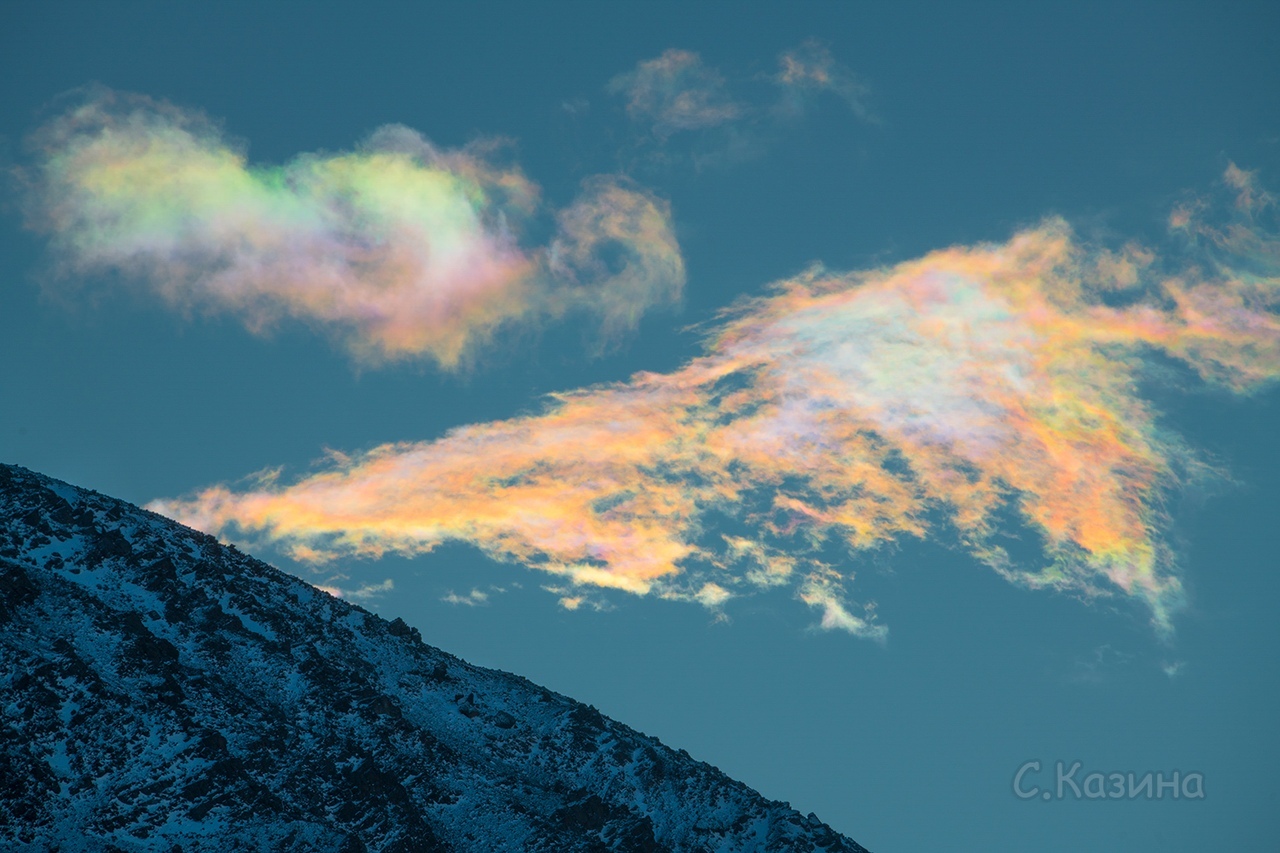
x: 934, y: 397
x: 404, y: 249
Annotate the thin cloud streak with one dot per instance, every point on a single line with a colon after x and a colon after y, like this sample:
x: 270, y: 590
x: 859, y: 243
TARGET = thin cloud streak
x: 939, y: 397
x: 362, y: 593
x: 400, y: 248
x: 475, y: 598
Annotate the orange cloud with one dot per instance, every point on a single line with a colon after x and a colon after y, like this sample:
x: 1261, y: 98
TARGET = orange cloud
x: 940, y: 394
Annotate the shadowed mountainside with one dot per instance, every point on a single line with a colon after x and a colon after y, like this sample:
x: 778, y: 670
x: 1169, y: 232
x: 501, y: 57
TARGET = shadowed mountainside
x: 160, y: 691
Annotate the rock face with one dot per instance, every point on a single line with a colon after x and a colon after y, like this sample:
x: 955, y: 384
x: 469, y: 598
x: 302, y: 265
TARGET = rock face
x: 159, y: 691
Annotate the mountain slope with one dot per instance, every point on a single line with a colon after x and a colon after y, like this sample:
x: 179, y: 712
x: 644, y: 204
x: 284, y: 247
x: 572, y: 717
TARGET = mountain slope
x: 159, y: 691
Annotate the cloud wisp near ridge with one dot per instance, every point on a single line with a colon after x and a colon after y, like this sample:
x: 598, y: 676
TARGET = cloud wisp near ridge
x: 399, y: 248
x: 937, y: 397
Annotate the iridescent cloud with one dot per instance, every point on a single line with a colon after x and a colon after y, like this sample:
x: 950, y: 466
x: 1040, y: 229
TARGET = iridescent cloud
x: 941, y: 397
x: 401, y: 248
x: 676, y: 92
x: 680, y: 102
x: 615, y: 254
x: 811, y: 68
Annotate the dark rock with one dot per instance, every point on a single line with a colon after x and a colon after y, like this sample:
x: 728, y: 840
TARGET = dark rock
x: 341, y: 732
x: 17, y: 589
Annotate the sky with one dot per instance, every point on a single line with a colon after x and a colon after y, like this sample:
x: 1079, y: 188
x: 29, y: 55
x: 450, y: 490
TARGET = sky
x: 867, y: 399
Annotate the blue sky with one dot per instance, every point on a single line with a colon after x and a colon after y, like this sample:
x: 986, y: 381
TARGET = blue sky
x: 900, y: 131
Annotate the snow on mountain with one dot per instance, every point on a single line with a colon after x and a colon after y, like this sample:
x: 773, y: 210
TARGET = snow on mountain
x: 162, y: 692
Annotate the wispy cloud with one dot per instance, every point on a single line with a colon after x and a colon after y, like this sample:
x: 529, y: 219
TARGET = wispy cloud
x: 1250, y: 198
x: 975, y: 392
x: 680, y: 102
x: 475, y: 598
x: 676, y: 92
x: 810, y: 69
x: 400, y: 248
x: 1101, y: 665
x: 577, y: 597
x: 362, y: 593
x: 616, y: 254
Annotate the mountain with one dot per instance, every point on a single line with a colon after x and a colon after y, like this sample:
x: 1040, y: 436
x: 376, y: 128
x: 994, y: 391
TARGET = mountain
x: 162, y: 692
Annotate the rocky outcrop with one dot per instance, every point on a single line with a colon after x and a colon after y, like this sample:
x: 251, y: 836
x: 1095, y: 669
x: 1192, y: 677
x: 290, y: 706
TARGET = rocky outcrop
x: 160, y: 691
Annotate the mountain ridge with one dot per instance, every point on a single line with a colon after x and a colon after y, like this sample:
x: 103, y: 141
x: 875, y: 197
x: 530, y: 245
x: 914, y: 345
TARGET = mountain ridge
x: 162, y: 691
